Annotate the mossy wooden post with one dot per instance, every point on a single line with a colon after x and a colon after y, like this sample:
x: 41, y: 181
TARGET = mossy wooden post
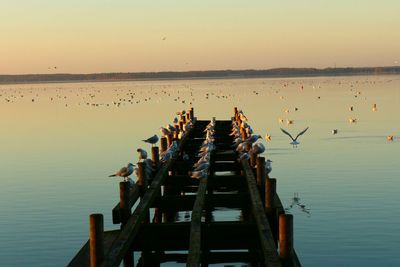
x: 181, y: 125
x: 261, y: 177
x: 285, y: 237
x: 96, y: 239
x: 188, y: 116
x: 183, y: 119
x: 163, y: 144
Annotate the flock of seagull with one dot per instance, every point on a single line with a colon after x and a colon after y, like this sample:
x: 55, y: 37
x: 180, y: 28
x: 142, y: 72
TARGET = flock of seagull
x: 168, y: 154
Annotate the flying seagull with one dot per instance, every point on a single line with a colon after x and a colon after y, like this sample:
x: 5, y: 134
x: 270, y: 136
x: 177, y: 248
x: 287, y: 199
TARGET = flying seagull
x: 294, y: 140
x: 151, y: 140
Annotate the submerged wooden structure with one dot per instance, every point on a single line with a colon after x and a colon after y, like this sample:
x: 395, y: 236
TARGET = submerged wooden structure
x: 262, y: 236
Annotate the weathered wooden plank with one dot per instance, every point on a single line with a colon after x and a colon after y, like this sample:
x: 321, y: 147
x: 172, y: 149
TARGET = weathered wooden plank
x: 194, y: 255
x: 270, y: 255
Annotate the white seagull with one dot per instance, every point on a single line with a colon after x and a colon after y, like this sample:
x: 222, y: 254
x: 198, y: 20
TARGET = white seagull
x: 124, y: 172
x: 294, y: 140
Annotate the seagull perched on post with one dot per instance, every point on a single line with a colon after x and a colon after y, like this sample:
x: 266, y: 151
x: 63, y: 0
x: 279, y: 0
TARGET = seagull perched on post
x: 294, y: 140
x: 125, y: 172
x: 151, y: 140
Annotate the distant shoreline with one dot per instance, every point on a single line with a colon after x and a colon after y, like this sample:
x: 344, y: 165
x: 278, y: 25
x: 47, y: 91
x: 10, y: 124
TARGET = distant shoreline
x: 186, y: 75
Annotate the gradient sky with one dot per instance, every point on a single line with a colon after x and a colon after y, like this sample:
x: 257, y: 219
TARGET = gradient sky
x: 127, y: 36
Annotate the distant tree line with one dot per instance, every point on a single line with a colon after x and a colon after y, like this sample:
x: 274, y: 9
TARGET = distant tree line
x: 213, y: 74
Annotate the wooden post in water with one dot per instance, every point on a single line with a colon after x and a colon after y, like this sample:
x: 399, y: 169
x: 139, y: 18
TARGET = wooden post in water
x: 142, y: 182
x: 285, y: 236
x: 142, y: 178
x: 155, y: 156
x: 170, y: 139
x: 270, y: 209
x: 96, y: 239
x: 235, y: 111
x: 181, y: 125
x: 253, y: 159
x: 125, y: 210
x: 261, y: 177
x: 163, y: 144
x: 191, y: 111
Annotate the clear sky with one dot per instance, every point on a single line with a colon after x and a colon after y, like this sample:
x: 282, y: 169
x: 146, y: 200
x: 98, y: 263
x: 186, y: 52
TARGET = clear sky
x: 87, y: 36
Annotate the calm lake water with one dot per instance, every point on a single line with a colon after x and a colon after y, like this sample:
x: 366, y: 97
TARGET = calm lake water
x: 59, y: 142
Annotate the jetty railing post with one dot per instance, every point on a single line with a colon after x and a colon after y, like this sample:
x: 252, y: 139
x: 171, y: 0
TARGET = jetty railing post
x: 235, y: 111
x: 191, y: 111
x: 163, y: 144
x: 96, y: 239
x: 270, y: 209
x: 125, y: 212
x: 169, y: 139
x: 286, y: 237
x: 142, y: 182
x: 261, y: 177
x: 155, y: 156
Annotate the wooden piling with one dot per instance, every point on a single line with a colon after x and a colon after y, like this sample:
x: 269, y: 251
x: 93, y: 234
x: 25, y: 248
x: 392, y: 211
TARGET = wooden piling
x: 260, y: 161
x: 155, y: 156
x: 142, y: 181
x: 96, y: 239
x: 191, y: 111
x: 163, y: 144
x: 125, y: 209
x: 253, y: 159
x: 270, y: 191
x: 285, y: 236
x: 181, y: 125
x: 170, y: 138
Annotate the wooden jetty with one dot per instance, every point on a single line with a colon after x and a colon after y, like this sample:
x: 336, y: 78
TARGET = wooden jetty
x: 148, y: 211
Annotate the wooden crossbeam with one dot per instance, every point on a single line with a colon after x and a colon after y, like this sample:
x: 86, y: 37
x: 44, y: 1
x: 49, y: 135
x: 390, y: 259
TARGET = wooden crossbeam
x: 194, y: 256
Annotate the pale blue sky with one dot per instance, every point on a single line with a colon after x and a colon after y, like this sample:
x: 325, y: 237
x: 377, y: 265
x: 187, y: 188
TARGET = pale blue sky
x: 107, y: 36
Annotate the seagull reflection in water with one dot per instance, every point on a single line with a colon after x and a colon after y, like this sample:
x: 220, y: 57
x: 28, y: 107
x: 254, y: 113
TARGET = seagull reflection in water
x: 296, y: 202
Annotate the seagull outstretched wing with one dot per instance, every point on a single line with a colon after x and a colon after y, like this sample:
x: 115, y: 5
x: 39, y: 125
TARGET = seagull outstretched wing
x: 285, y: 132
x: 302, y: 132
